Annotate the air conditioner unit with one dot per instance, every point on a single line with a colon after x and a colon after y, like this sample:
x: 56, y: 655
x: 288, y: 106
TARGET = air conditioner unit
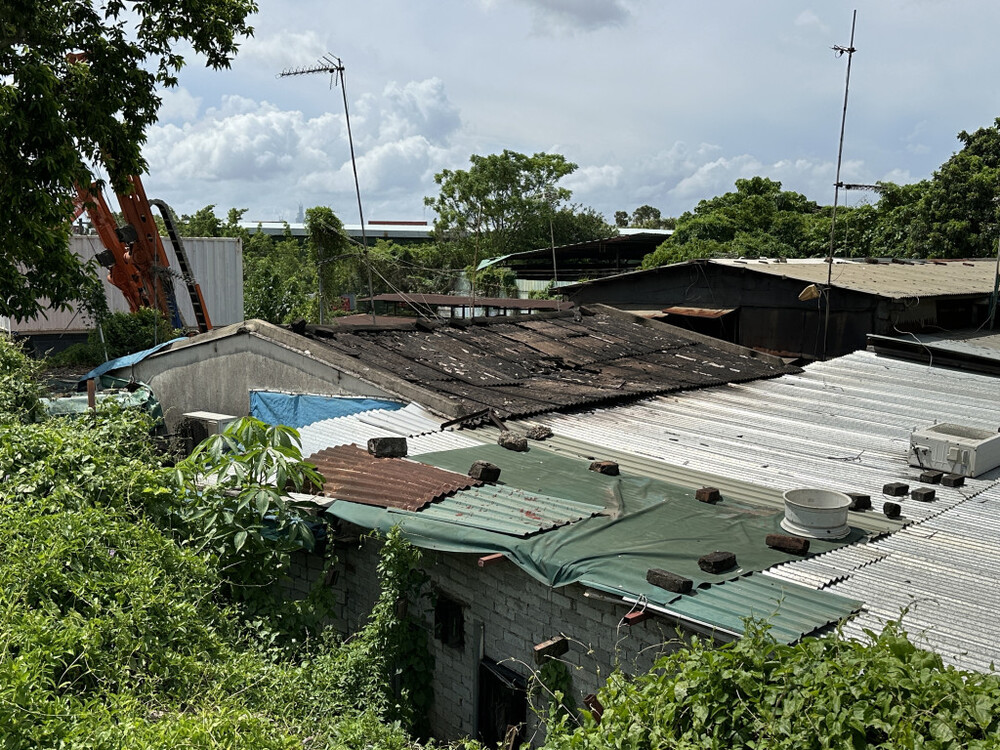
x: 198, y: 425
x: 955, y: 448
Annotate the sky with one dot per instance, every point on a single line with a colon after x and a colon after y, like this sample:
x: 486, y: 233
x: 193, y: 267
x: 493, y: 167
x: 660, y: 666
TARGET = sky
x: 658, y: 102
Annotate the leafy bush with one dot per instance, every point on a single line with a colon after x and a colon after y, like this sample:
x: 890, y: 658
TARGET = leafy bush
x: 19, y: 390
x: 114, y: 635
x: 819, y: 693
x: 125, y: 333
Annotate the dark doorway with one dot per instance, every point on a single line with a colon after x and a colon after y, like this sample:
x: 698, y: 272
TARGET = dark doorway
x: 503, y: 704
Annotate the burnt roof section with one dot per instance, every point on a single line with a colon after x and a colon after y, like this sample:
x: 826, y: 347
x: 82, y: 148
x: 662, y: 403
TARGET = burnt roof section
x: 523, y: 365
x: 351, y: 473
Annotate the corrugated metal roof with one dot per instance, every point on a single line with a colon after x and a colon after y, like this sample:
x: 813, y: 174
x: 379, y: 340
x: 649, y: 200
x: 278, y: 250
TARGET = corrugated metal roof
x: 418, y: 426
x: 792, y: 611
x: 843, y: 424
x: 352, y: 474
x: 885, y: 279
x: 508, y: 510
x: 521, y: 365
x: 217, y: 266
x: 941, y: 576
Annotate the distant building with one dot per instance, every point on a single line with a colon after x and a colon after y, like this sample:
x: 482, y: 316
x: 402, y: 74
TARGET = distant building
x: 593, y: 259
x: 401, y: 232
x: 785, y: 307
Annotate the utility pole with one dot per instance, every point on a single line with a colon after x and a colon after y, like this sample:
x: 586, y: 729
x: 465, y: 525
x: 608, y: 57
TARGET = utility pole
x: 333, y: 66
x: 849, y: 50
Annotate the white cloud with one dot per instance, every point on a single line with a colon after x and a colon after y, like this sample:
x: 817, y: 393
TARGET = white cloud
x: 716, y: 177
x: 808, y: 18
x: 401, y: 139
x: 593, y: 179
x: 178, y: 104
x: 284, y: 49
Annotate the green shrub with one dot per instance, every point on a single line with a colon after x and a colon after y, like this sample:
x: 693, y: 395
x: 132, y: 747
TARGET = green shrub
x: 19, y: 389
x: 125, y: 333
x: 819, y: 693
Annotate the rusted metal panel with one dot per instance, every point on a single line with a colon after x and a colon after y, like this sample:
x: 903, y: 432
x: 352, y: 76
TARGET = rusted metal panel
x: 699, y: 312
x: 352, y: 474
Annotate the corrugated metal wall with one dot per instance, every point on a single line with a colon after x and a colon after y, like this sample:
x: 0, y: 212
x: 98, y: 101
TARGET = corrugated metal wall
x: 217, y: 264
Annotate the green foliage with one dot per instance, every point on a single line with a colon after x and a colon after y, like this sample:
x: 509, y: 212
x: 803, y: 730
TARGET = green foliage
x: 125, y: 333
x: 339, y: 267
x: 279, y: 280
x: 494, y: 281
x: 819, y: 693
x: 644, y: 217
x: 19, y: 389
x: 758, y: 220
x: 491, y: 207
x: 58, y: 109
x: 234, y: 509
x: 956, y: 216
x: 114, y: 635
x: 553, y: 683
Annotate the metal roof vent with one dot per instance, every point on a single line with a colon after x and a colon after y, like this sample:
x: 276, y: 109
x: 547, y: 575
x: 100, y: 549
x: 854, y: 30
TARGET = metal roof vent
x: 955, y: 448
x: 820, y: 514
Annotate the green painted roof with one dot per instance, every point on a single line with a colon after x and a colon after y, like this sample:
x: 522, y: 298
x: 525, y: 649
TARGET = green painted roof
x: 643, y: 523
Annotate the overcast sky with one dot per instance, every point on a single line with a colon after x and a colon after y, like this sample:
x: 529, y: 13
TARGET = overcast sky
x: 658, y: 102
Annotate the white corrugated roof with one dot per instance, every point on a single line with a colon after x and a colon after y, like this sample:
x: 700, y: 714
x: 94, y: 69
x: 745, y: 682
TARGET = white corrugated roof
x: 845, y: 425
x: 419, y: 426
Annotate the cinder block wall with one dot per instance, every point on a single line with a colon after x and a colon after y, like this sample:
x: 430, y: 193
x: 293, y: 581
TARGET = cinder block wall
x: 505, y: 612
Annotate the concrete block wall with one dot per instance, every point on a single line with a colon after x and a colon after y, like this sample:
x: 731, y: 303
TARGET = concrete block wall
x: 506, y: 613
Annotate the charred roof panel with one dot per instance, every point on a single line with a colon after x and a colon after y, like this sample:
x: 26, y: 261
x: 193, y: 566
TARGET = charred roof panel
x: 531, y: 364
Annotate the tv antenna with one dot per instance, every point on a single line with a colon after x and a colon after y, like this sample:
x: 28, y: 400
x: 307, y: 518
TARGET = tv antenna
x: 849, y: 50
x: 332, y: 66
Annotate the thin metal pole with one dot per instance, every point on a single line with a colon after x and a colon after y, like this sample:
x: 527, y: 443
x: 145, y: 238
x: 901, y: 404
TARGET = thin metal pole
x: 836, y: 185
x: 335, y: 67
x: 357, y: 190
x: 996, y: 289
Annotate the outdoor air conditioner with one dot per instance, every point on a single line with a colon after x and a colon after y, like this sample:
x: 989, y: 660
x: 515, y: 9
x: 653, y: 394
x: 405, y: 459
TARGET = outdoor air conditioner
x: 197, y: 425
x: 955, y: 448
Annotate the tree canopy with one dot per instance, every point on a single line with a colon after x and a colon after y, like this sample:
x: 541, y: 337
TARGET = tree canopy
x: 758, y: 219
x: 504, y: 204
x: 78, y: 84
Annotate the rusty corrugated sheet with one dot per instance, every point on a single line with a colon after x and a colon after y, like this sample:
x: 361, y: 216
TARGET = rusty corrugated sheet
x: 699, y: 312
x: 352, y: 474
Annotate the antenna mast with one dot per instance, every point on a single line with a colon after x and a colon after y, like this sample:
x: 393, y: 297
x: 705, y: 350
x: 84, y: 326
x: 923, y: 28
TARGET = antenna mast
x: 335, y: 69
x: 849, y: 50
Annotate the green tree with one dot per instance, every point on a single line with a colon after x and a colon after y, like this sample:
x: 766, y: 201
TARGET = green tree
x: 78, y: 84
x: 957, y: 214
x: 279, y: 280
x: 500, y: 203
x: 758, y: 219
x: 340, y: 269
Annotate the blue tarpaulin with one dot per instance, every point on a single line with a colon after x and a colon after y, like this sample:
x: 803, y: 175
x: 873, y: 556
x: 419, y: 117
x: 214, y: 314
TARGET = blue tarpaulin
x: 295, y: 410
x: 128, y: 360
